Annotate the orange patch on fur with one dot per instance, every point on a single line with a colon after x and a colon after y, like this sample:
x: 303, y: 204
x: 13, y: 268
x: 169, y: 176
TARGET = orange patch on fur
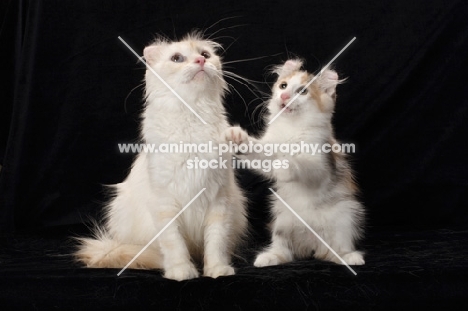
x: 314, y: 90
x: 345, y: 171
x: 110, y: 254
x: 285, y: 79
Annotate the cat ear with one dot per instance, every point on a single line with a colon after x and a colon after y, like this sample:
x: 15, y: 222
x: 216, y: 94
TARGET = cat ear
x: 288, y: 67
x: 328, y: 81
x: 151, y: 53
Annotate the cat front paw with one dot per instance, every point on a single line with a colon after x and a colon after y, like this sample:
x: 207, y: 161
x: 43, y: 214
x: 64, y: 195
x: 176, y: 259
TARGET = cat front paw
x: 354, y: 259
x: 236, y: 134
x: 218, y: 270
x: 267, y: 259
x: 180, y: 272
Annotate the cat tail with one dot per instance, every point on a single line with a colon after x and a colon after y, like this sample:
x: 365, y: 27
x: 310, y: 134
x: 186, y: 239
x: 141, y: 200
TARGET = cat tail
x: 102, y: 251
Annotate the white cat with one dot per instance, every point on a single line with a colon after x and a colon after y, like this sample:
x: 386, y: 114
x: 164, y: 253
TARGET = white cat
x: 320, y: 187
x: 159, y: 185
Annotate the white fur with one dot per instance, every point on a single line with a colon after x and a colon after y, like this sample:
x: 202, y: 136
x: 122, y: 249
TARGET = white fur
x: 160, y: 185
x: 321, y: 193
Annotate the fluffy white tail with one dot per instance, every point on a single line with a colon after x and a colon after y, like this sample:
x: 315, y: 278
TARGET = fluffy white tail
x: 103, y: 252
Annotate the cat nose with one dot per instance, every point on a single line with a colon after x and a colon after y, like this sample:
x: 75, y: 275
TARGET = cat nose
x: 200, y: 60
x: 285, y: 96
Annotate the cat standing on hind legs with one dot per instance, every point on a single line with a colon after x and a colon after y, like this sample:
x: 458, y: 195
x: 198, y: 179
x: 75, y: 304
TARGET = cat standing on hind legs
x: 318, y: 187
x: 160, y: 184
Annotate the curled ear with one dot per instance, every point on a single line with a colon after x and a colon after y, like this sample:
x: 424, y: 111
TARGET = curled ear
x: 151, y: 53
x: 328, y: 81
x: 288, y: 67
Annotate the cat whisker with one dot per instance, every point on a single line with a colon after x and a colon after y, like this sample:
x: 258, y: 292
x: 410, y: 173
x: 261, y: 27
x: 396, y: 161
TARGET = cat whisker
x: 225, y: 50
x: 220, y: 46
x: 263, y: 110
x: 235, y: 90
x: 174, y: 29
x: 221, y: 20
x: 239, y: 79
x: 286, y: 48
x: 231, y: 87
x: 246, y: 80
x: 230, y: 27
x: 261, y: 107
x: 250, y: 81
x: 249, y: 59
x: 130, y: 93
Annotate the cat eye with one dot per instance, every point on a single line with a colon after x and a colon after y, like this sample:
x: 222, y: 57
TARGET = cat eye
x: 283, y: 85
x: 205, y: 54
x: 302, y: 90
x: 177, y: 58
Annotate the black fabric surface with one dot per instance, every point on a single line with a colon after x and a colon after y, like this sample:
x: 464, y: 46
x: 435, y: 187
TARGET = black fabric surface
x: 404, y: 270
x: 70, y: 93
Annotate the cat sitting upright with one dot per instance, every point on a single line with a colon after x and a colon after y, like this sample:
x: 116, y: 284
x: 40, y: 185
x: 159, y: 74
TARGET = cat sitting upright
x: 159, y: 185
x: 319, y: 187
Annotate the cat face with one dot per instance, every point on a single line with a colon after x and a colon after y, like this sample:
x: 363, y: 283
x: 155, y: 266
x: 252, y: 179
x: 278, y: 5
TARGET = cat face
x: 190, y: 64
x: 318, y: 97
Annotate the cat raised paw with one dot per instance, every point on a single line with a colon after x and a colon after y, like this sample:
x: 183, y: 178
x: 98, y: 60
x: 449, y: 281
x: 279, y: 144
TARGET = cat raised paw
x: 236, y: 134
x: 180, y: 272
x: 219, y: 270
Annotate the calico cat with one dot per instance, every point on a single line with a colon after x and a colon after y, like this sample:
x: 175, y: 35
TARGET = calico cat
x: 319, y: 187
x: 159, y: 185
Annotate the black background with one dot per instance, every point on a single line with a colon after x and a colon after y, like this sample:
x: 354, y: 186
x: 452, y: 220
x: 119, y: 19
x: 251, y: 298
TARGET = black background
x: 69, y: 94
